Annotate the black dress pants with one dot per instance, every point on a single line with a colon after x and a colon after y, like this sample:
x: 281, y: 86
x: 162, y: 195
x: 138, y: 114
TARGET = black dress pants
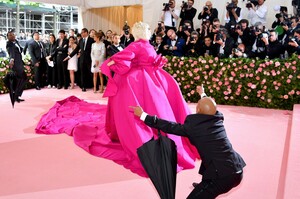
x: 211, y: 188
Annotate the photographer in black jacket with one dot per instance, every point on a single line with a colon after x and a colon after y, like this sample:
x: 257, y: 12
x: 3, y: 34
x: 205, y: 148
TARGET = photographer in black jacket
x: 188, y: 12
x: 294, y: 42
x: 274, y: 48
x: 208, y: 12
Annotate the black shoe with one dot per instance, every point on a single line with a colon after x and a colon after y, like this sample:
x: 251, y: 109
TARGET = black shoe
x: 65, y: 88
x: 58, y: 87
x: 37, y: 88
x: 20, y: 100
x: 83, y: 90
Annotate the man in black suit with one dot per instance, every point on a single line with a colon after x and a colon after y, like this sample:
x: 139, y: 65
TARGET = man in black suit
x: 38, y: 55
x: 115, y: 46
x: 84, y: 49
x: 221, y: 167
x: 60, y: 54
x: 14, y: 51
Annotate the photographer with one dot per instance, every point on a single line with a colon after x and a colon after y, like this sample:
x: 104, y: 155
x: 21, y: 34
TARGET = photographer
x: 233, y: 14
x: 244, y: 35
x: 257, y: 12
x: 280, y: 25
x: 295, y: 42
x: 208, y: 12
x: 204, y: 29
x: 188, y: 12
x: 259, y: 48
x: 290, y: 34
x: 159, y: 30
x: 208, y: 48
x: 274, y: 48
x: 185, y: 30
x: 224, y: 43
x: 193, y: 47
x: 175, y: 45
x: 170, y: 15
x: 126, y: 37
x: 159, y: 45
x: 238, y: 52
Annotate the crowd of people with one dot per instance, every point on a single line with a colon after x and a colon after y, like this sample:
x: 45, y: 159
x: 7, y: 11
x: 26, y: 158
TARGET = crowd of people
x: 75, y: 59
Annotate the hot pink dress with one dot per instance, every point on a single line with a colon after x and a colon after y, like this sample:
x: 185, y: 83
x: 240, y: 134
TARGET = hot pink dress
x: 113, y: 131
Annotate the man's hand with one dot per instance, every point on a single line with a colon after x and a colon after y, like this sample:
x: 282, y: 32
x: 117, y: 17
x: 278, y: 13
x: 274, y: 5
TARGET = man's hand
x: 200, y: 89
x: 11, y: 63
x: 137, y: 110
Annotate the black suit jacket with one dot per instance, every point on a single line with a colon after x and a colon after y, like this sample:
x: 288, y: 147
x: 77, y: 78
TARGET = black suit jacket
x: 60, y: 51
x: 85, y: 53
x: 15, y: 53
x: 36, y: 52
x: 112, y: 49
x: 208, y: 134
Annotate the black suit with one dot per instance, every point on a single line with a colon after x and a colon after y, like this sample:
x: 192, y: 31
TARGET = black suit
x: 85, y: 62
x: 220, y: 163
x: 37, y: 53
x: 14, y: 51
x: 112, y: 49
x: 60, y: 53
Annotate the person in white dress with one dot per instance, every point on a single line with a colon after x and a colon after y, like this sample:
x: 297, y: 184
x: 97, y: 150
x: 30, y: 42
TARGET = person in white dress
x: 72, y: 63
x: 98, y: 56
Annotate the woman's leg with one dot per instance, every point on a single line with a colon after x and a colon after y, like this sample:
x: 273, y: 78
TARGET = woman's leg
x: 95, y: 81
x: 72, y: 78
x: 101, y: 82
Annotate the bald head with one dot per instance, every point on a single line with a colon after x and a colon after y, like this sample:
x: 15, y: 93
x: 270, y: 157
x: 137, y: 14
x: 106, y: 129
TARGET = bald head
x: 206, y: 106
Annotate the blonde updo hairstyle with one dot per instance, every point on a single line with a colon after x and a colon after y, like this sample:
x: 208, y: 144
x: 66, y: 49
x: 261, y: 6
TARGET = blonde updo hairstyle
x: 141, y: 30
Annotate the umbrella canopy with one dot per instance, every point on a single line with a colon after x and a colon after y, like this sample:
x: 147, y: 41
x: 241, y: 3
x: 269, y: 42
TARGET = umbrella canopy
x: 159, y: 159
x: 10, y: 81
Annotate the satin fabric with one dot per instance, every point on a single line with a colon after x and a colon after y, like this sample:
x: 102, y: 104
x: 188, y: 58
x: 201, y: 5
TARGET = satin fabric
x: 112, y: 131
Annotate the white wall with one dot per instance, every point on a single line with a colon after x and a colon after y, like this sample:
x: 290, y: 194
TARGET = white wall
x: 152, y: 9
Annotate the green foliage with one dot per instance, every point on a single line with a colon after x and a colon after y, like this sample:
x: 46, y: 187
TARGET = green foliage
x: 4, y: 68
x: 242, y: 81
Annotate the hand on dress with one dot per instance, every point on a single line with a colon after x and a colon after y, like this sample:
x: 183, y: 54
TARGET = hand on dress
x: 112, y: 62
x: 137, y: 110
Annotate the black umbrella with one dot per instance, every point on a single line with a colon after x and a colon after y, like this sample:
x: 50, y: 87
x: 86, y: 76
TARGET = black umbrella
x: 10, y: 81
x: 159, y: 159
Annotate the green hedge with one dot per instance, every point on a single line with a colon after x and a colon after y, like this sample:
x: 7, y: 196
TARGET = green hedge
x: 243, y: 82
x: 239, y: 81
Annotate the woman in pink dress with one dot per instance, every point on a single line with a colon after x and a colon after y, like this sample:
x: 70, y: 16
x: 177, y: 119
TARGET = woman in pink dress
x: 135, y: 78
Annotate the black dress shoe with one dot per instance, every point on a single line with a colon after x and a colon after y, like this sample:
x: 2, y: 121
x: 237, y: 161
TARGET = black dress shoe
x: 20, y: 100
x: 58, y: 87
x: 37, y: 88
x: 83, y: 90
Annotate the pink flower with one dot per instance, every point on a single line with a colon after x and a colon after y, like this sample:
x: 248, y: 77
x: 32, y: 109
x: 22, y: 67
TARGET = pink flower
x: 259, y: 69
x: 276, y: 87
x: 225, y: 93
x: 182, y: 78
x: 174, y: 75
x: 195, y: 62
x: 277, y: 64
x: 234, y: 64
x: 288, y: 81
x: 246, y: 97
x: 269, y: 100
x: 251, y: 65
x: 205, y: 77
x: 253, y: 86
x: 251, y: 75
x: 210, y: 61
x: 191, y: 61
x: 257, y: 78
x: 292, y: 92
x: 226, y: 97
x: 242, y: 75
x: 211, y: 72
x: 298, y: 92
x: 192, y: 92
x: 236, y: 81
x: 233, y: 74
x: 223, y: 68
x: 206, y: 66
x: 290, y: 76
x: 285, y: 96
x: 249, y: 84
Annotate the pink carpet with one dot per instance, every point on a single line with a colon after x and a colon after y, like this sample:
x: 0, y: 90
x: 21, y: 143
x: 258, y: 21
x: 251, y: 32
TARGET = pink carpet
x: 51, y: 166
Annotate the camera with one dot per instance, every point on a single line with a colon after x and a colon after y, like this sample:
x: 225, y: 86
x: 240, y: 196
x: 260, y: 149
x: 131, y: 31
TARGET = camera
x: 278, y: 15
x: 126, y: 28
x: 184, y: 5
x: 263, y: 35
x: 159, y: 28
x: 254, y: 2
x: 231, y: 6
x: 186, y: 28
x: 193, y: 38
x: 205, y: 8
x: 293, y: 39
x: 219, y: 36
x: 166, y: 6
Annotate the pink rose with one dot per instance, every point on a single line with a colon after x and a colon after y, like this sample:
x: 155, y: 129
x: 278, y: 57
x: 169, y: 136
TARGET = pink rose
x: 226, y: 97
x: 269, y: 100
x: 246, y: 97
x: 285, y: 96
x: 288, y: 81
x: 225, y: 93
x: 233, y: 74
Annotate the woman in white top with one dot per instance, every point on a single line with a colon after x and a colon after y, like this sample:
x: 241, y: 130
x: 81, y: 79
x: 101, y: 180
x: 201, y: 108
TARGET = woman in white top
x: 98, y: 56
x: 72, y: 63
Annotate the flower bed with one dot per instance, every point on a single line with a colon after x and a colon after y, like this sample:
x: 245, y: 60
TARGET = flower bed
x: 4, y: 68
x: 242, y: 81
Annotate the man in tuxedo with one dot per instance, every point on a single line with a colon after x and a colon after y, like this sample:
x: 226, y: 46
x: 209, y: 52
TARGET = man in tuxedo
x: 222, y: 166
x: 84, y: 49
x: 175, y: 45
x: 116, y: 46
x: 38, y: 55
x: 60, y: 54
x: 14, y: 51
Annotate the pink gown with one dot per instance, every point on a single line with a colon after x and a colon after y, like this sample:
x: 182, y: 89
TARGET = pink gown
x: 112, y: 131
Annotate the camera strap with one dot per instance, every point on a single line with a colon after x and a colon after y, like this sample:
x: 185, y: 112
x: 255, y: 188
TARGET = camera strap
x: 172, y: 18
